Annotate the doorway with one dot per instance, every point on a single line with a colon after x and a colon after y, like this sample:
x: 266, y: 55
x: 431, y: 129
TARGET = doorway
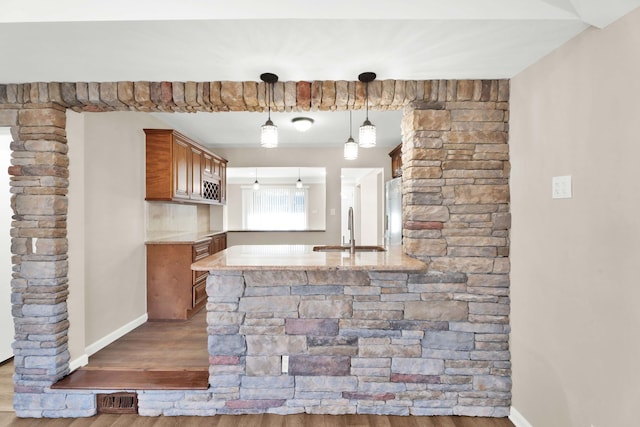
x: 363, y: 190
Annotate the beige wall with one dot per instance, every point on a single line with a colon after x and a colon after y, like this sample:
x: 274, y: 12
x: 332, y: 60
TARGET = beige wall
x: 330, y: 158
x: 76, y: 237
x: 107, y: 223
x: 575, y: 293
x: 6, y: 319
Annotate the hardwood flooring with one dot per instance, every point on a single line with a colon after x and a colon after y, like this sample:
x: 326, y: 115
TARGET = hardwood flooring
x: 260, y: 420
x: 158, y: 345
x: 6, y: 386
x: 161, y: 355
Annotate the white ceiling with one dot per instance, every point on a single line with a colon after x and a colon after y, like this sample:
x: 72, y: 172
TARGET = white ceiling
x: 242, y: 129
x: 171, y: 40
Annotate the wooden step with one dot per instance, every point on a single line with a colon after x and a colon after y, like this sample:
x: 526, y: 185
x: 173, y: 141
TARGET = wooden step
x: 120, y: 379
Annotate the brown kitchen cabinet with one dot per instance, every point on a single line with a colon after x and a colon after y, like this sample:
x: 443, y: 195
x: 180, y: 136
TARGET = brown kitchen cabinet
x: 396, y: 161
x: 179, y: 169
x: 218, y: 243
x: 174, y: 291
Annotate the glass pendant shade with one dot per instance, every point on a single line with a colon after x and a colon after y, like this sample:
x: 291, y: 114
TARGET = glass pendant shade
x: 269, y: 135
x: 256, y: 185
x: 367, y: 136
x: 350, y: 149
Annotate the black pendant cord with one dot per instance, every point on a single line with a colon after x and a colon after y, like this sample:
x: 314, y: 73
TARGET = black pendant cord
x: 268, y: 101
x: 367, y: 78
x: 366, y: 101
x: 350, y: 126
x: 269, y: 79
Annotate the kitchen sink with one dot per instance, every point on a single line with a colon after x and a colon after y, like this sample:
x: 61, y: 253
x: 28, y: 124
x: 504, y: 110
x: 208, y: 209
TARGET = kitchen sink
x: 347, y: 249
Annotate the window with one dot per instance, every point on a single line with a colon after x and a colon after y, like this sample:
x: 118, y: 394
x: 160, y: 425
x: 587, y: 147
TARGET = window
x: 275, y: 207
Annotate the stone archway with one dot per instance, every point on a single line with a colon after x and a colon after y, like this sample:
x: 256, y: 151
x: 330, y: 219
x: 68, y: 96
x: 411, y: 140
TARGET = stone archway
x: 455, y: 185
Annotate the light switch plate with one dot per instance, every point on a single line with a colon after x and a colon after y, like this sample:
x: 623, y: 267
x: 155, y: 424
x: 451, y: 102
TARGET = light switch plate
x: 561, y: 187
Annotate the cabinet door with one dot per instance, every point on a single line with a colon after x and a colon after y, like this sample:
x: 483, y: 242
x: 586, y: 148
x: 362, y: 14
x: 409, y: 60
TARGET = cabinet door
x: 218, y: 243
x: 196, y: 174
x: 207, y: 166
x: 181, y: 169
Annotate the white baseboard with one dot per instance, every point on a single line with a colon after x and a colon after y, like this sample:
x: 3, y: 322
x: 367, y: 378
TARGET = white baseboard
x: 105, y: 341
x: 78, y: 362
x: 518, y: 419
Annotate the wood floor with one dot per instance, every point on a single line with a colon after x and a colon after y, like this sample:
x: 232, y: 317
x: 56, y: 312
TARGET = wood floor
x: 158, y: 345
x: 169, y: 355
x: 262, y: 420
x: 6, y: 386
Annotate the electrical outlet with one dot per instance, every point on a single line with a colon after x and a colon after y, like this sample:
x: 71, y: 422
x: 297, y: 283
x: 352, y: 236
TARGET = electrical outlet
x: 285, y: 364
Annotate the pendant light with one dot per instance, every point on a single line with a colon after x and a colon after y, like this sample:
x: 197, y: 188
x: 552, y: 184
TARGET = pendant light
x: 256, y: 184
x: 350, y: 147
x: 367, y: 137
x: 269, y: 131
x: 299, y: 181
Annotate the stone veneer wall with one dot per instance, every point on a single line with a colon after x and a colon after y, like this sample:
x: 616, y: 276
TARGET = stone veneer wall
x: 370, y: 343
x: 456, y: 212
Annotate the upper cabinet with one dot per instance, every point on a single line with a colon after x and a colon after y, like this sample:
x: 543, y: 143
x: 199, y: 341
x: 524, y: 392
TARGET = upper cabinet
x: 179, y: 169
x: 396, y: 161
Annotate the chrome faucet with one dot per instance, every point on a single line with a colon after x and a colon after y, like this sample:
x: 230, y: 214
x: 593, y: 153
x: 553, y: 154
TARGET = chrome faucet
x: 352, y: 239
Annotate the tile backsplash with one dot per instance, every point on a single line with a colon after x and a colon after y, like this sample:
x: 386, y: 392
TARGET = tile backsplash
x: 174, y: 217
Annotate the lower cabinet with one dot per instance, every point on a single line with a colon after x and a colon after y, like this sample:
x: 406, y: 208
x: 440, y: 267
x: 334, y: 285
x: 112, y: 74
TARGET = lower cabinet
x: 174, y: 291
x: 218, y: 243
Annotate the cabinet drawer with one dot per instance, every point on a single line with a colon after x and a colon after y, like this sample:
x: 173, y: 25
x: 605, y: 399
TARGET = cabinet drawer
x: 201, y: 250
x: 198, y: 275
x: 199, y: 292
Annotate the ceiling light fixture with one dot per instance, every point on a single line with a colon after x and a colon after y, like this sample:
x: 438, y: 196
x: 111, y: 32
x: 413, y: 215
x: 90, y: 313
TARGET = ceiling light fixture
x: 350, y: 147
x: 269, y: 131
x: 367, y: 137
x: 299, y: 181
x: 256, y: 184
x: 302, y: 124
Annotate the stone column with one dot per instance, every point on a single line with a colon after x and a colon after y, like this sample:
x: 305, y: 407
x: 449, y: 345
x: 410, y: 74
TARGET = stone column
x: 39, y: 182
x: 456, y: 218
x: 455, y: 176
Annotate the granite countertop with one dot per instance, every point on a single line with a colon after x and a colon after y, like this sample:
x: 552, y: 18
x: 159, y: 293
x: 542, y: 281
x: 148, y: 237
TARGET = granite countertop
x: 302, y: 257
x: 160, y: 238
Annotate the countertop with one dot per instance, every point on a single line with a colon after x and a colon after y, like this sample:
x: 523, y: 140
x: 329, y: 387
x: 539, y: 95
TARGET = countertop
x: 302, y: 257
x: 164, y: 238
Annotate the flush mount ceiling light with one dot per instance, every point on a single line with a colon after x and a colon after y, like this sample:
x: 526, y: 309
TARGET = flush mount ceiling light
x: 299, y: 181
x: 350, y: 147
x: 367, y: 137
x: 302, y: 124
x: 269, y: 131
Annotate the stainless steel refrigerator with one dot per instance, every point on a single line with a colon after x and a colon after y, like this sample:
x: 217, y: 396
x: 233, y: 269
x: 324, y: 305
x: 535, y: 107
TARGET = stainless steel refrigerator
x: 393, y: 210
